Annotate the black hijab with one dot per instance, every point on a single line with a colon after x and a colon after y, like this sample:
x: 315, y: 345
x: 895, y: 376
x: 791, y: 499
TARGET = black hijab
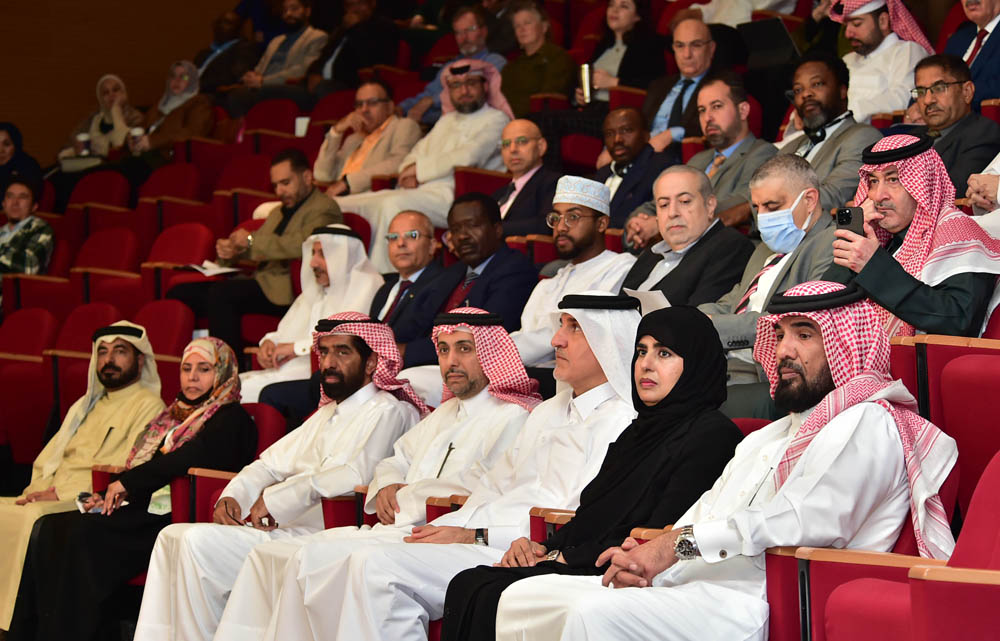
x: 669, y: 455
x: 20, y: 164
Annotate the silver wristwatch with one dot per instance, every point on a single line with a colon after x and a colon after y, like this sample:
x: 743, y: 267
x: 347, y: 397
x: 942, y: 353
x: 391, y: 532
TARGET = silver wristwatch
x: 685, y: 547
x: 553, y: 555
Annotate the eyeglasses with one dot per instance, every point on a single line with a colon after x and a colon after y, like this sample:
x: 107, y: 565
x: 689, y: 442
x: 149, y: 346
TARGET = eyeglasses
x: 520, y: 141
x: 470, y: 83
x: 571, y: 219
x: 694, y: 44
x: 468, y: 31
x: 413, y: 234
x: 794, y: 92
x: 371, y: 102
x: 937, y: 89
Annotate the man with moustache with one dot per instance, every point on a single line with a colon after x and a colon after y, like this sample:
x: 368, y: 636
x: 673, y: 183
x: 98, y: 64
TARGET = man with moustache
x: 363, y: 410
x: 487, y: 398
x: 579, y: 218
x: 527, y: 199
x: 123, y: 395
x: 831, y: 139
x: 928, y: 265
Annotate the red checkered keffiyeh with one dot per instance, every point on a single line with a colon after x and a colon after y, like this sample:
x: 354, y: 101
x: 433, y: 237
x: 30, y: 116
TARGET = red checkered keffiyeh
x: 499, y: 359
x: 901, y: 21
x: 857, y: 350
x: 382, y: 341
x: 942, y: 240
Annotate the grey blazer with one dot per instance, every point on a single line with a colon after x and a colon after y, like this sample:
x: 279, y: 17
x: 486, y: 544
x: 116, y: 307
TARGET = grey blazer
x: 731, y: 183
x: 809, y: 261
x: 392, y: 146
x: 838, y: 160
x: 303, y: 53
x: 968, y: 148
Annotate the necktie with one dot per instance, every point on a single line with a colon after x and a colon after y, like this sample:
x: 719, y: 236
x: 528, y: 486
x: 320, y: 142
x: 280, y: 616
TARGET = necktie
x: 744, y: 303
x: 505, y: 194
x: 458, y: 296
x: 716, y: 163
x: 403, y: 286
x: 979, y: 43
x: 677, y: 111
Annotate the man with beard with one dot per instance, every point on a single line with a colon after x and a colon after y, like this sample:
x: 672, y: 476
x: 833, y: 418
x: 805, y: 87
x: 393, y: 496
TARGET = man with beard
x: 578, y: 220
x: 487, y: 398
x: 123, y: 395
x: 928, y: 265
x: 363, y: 410
x: 832, y: 140
x: 527, y: 198
x: 887, y: 43
x: 634, y: 163
x: 475, y: 113
x: 841, y: 470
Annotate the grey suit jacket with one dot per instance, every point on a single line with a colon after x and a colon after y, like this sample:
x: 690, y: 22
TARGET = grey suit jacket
x: 809, y: 261
x: 731, y: 182
x: 303, y: 53
x: 968, y: 148
x: 392, y: 146
x: 838, y: 160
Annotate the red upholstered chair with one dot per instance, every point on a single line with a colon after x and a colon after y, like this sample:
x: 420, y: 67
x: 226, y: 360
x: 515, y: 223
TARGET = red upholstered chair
x: 951, y: 23
x: 277, y: 114
x: 750, y: 425
x: 756, y: 117
x: 579, y: 152
x: 992, y: 326
x: 626, y: 97
x: 107, y: 187
x: 991, y: 109
x: 443, y: 50
x: 882, y: 120
x: 360, y: 226
x: 470, y: 179
x: 520, y: 243
x: 903, y: 362
x: 543, y: 249
x: 613, y: 239
x: 792, y: 22
x: 933, y: 352
x: 690, y: 146
x: 540, y: 102
x: 333, y: 106
x: 210, y: 156
x: 667, y: 15
x: 47, y: 200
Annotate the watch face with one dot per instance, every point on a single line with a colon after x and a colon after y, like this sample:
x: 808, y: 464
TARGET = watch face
x: 684, y: 548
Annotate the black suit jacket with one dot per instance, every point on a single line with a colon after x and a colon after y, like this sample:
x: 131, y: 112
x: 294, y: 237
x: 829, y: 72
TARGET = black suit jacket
x: 533, y: 203
x: 707, y: 271
x: 367, y: 43
x: 404, y: 319
x: 968, y: 148
x: 643, y: 59
x: 657, y: 92
x: 984, y: 67
x: 503, y: 288
x: 637, y: 185
x: 228, y: 67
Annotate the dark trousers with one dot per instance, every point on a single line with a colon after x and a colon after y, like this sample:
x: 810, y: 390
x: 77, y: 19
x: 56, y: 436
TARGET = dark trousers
x: 224, y: 303
x: 296, y: 400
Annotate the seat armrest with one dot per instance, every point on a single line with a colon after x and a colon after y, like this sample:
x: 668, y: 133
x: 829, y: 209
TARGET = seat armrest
x: 108, y: 469
x: 207, y: 473
x: 862, y: 557
x: 924, y: 572
x: 66, y: 353
x: 102, y: 271
x: 246, y: 191
x: 24, y: 358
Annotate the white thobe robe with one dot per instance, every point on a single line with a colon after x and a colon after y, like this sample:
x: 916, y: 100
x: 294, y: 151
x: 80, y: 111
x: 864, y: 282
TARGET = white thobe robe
x: 193, y: 565
x: 456, y: 140
x: 444, y: 454
x: 882, y: 80
x: 849, y: 489
x: 391, y: 591
x: 605, y: 272
x: 734, y: 12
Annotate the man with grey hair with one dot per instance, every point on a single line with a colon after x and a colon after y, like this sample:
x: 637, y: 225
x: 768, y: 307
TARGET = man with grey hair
x: 785, y: 196
x: 699, y: 259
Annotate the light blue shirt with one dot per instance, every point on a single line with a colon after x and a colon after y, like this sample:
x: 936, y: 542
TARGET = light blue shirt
x: 727, y: 152
x: 662, y: 118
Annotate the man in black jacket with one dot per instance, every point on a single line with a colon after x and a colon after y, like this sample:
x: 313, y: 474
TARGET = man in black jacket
x: 527, y: 199
x: 227, y: 57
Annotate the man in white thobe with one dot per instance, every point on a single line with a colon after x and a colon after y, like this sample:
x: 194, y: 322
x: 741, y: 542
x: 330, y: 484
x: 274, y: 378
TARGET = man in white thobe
x: 832, y: 473
x: 887, y: 44
x: 336, y: 277
x: 475, y: 113
x: 363, y: 410
x: 488, y: 396
x: 580, y: 216
x: 391, y: 591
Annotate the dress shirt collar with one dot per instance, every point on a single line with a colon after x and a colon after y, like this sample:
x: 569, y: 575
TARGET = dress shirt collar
x: 887, y: 43
x: 412, y: 277
x: 477, y: 405
x: 663, y: 249
x: 481, y: 266
x: 797, y: 419
x: 519, y: 183
x: 357, y: 399
x: 943, y: 133
x: 990, y: 27
x: 121, y: 394
x: 587, y: 403
x: 728, y: 151
x: 11, y: 227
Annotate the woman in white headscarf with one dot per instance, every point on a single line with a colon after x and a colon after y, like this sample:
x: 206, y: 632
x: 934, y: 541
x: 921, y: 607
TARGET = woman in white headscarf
x: 108, y: 127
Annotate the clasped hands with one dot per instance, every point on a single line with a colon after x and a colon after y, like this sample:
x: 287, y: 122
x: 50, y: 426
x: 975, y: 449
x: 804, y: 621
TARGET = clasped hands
x: 228, y: 512
x: 232, y: 246
x: 982, y: 191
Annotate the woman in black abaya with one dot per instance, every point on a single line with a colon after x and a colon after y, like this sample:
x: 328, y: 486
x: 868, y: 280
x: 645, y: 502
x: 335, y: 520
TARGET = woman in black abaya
x: 659, y: 466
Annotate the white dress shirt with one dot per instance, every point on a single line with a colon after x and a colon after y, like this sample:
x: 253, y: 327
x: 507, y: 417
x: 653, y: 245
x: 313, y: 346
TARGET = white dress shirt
x: 670, y: 260
x: 882, y: 80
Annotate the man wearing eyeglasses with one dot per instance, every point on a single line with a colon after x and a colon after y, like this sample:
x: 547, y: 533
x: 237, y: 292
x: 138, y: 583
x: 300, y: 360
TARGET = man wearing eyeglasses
x: 527, y: 198
x: 965, y: 140
x: 973, y: 42
x: 378, y: 141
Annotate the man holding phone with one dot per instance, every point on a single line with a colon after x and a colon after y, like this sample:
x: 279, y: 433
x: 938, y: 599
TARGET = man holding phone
x: 928, y: 265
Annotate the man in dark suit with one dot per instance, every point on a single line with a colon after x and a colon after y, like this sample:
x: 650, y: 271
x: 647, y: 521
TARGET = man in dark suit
x: 634, y: 163
x: 977, y: 44
x: 966, y: 141
x: 527, y: 199
x: 228, y: 56
x: 489, y: 276
x: 699, y: 258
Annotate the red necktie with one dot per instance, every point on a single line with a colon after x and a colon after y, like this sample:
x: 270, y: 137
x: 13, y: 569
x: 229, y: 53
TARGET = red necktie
x: 403, y: 285
x: 744, y: 303
x: 979, y: 43
x: 458, y: 295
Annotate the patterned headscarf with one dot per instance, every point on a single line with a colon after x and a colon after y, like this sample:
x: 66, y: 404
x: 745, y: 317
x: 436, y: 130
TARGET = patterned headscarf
x: 380, y: 338
x: 181, y: 421
x: 857, y: 351
x: 900, y: 21
x: 471, y: 67
x: 941, y: 241
x: 497, y: 354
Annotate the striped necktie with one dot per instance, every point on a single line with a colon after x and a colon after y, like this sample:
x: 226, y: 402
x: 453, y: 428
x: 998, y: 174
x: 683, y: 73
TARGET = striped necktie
x: 744, y: 303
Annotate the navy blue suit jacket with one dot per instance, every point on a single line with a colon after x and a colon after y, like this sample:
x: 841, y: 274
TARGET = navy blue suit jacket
x: 526, y: 215
x: 637, y: 185
x: 406, y: 320
x: 984, y: 67
x: 503, y: 288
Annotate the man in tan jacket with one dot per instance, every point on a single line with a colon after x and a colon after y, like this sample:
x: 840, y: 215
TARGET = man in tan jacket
x: 379, y: 142
x: 279, y: 241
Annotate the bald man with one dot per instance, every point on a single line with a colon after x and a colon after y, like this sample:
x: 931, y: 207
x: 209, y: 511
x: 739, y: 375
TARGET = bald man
x: 527, y: 199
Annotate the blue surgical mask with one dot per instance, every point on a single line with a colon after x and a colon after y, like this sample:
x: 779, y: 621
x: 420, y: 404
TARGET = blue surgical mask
x: 778, y: 229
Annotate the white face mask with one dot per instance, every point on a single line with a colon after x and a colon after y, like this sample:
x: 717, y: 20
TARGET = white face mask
x: 778, y: 229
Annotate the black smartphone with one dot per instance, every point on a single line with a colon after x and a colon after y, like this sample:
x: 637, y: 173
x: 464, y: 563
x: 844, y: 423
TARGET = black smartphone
x: 851, y: 218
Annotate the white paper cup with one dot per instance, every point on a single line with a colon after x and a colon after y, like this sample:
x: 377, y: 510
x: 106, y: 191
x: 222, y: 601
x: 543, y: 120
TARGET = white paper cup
x: 301, y: 126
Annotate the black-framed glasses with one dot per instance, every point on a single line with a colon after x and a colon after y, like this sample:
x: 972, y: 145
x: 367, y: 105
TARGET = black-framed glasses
x: 571, y: 218
x: 937, y: 89
x: 371, y: 102
x: 413, y: 234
